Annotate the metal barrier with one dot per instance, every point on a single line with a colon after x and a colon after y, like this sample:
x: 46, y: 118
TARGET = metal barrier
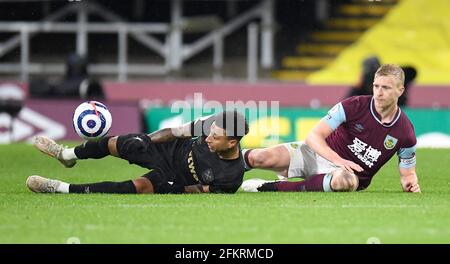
x: 172, y: 49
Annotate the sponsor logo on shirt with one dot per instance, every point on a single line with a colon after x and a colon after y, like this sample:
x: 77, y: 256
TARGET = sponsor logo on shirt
x: 294, y: 145
x: 364, y: 152
x: 390, y: 142
x: 359, y: 127
x: 191, y: 166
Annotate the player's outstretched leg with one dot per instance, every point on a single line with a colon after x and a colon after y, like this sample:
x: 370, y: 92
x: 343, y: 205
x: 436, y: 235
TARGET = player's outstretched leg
x: 40, y: 184
x: 337, y: 181
x: 68, y: 156
x: 51, y: 148
x: 276, y: 158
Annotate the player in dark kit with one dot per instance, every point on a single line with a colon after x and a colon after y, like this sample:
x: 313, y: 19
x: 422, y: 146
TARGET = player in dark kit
x: 199, y: 157
x: 348, y: 146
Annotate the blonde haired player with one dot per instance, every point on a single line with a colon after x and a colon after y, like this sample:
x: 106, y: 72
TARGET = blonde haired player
x: 348, y: 146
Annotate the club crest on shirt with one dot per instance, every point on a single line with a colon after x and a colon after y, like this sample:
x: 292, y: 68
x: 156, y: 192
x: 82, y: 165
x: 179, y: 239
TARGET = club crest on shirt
x: 208, y: 175
x: 390, y: 142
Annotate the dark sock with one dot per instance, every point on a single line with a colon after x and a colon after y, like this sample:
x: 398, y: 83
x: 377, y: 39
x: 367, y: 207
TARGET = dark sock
x: 104, y: 187
x: 93, y: 149
x: 312, y: 184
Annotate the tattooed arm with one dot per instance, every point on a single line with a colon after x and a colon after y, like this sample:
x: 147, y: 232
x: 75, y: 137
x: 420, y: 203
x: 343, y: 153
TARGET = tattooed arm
x: 170, y: 134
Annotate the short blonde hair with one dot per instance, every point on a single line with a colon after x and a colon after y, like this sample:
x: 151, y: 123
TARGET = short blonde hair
x: 392, y: 70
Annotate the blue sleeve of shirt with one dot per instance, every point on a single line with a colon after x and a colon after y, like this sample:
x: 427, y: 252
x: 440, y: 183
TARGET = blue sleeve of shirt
x: 335, y: 117
x: 407, y: 157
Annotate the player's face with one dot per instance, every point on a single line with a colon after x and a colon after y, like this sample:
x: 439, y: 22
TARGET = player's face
x: 386, y: 91
x: 217, y: 140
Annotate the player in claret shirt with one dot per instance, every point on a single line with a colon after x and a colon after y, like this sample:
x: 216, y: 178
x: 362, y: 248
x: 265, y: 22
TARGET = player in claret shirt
x: 348, y: 146
x: 199, y: 157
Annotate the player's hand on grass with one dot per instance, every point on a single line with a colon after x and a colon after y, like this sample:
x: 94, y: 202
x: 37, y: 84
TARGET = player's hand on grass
x: 413, y: 187
x: 349, y: 166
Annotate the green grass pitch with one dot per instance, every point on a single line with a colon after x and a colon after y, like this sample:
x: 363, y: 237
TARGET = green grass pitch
x: 381, y: 213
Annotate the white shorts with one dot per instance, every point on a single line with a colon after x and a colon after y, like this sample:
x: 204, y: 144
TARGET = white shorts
x: 305, y: 162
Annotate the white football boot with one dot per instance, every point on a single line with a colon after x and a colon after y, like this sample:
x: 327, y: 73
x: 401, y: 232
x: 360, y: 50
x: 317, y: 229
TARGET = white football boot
x: 51, y: 148
x: 252, y: 185
x: 40, y: 184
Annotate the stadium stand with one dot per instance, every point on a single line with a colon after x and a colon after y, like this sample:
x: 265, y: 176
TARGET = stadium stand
x: 346, y: 23
x: 415, y: 32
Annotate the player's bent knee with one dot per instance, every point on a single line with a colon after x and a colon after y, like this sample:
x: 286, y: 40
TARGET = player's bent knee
x: 143, y: 185
x: 260, y: 158
x: 344, y: 181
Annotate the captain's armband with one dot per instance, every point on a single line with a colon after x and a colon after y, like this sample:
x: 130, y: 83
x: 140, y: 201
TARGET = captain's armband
x: 407, y: 157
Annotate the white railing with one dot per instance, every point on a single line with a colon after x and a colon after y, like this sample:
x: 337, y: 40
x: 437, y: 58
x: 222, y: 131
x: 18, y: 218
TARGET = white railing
x: 171, y: 49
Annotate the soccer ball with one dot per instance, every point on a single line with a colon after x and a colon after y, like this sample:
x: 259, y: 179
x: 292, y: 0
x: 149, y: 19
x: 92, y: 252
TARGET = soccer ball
x: 92, y: 120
